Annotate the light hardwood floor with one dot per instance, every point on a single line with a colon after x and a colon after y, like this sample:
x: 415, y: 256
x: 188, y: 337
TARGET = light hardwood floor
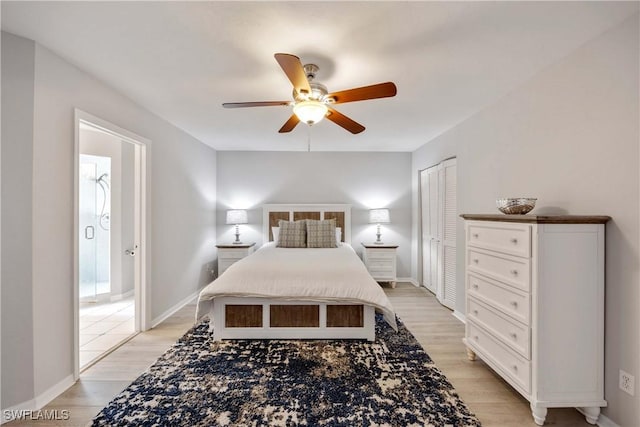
x: 493, y: 401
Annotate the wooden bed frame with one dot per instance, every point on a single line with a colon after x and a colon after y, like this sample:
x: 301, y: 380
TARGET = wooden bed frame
x: 265, y: 318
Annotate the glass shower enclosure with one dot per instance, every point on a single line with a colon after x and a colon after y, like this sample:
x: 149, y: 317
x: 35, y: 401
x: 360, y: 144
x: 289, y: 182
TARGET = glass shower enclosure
x: 94, y: 233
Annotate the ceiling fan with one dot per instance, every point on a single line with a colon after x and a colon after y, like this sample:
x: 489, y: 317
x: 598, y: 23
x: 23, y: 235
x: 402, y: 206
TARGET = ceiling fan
x: 312, y: 101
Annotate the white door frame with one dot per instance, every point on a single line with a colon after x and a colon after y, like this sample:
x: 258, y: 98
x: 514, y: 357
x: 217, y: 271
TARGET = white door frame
x: 141, y: 287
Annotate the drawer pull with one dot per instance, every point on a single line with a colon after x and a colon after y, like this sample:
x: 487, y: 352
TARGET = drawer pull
x: 476, y: 260
x: 474, y: 286
x: 475, y: 235
x: 476, y: 338
x: 475, y: 312
x: 514, y: 303
x: 514, y: 272
x: 514, y: 240
x: 515, y: 368
x: 513, y: 335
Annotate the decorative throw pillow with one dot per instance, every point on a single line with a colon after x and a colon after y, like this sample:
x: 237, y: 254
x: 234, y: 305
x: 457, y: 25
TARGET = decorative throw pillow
x: 293, y: 234
x: 321, y: 234
x: 276, y: 232
x: 338, y: 235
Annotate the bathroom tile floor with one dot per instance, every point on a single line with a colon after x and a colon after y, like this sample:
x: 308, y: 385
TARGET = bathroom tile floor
x: 104, y: 326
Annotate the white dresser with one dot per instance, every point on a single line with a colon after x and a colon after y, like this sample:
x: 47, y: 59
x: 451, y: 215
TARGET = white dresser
x: 381, y: 262
x: 230, y: 254
x: 535, y: 306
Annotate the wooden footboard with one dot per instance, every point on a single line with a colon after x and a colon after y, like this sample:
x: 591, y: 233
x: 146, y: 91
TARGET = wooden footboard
x: 259, y: 318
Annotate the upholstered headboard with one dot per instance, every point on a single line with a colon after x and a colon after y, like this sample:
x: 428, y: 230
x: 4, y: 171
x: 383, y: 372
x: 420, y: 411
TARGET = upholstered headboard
x: 273, y: 213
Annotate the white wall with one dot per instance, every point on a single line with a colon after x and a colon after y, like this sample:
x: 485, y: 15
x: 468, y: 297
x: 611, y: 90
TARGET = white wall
x: 181, y: 214
x: 17, y: 150
x: 569, y: 137
x: 247, y: 180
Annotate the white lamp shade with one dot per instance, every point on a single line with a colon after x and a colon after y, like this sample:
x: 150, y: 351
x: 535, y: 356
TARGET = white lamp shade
x: 379, y: 216
x: 310, y: 112
x: 237, y: 216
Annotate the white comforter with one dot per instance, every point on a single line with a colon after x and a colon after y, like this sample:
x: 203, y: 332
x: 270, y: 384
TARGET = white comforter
x: 308, y: 274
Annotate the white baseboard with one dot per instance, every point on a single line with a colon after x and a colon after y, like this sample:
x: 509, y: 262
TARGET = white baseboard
x: 168, y: 313
x: 122, y: 296
x: 604, y: 421
x: 39, y: 401
x: 460, y: 316
x: 408, y: 280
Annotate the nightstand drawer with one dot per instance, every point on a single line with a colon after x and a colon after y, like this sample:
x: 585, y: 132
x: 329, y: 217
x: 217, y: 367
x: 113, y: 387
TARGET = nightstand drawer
x: 380, y: 272
x: 376, y: 264
x: 504, y: 268
x: 510, y: 332
x: 233, y: 253
x: 223, y: 264
x: 506, y: 299
x: 514, y: 239
x: 380, y: 254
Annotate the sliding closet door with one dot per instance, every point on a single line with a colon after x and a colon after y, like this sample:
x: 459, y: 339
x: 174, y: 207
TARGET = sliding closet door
x: 430, y: 241
x: 448, y: 215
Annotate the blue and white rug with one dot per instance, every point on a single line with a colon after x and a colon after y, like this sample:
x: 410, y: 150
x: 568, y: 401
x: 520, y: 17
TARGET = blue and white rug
x: 198, y: 382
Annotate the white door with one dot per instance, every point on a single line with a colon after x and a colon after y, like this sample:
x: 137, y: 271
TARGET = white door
x: 430, y: 241
x: 449, y: 219
x: 439, y: 220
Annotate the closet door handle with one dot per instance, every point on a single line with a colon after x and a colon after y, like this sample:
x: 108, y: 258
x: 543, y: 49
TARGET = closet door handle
x: 89, y: 232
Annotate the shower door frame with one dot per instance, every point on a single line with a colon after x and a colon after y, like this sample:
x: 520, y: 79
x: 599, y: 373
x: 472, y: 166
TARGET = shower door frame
x: 141, y: 238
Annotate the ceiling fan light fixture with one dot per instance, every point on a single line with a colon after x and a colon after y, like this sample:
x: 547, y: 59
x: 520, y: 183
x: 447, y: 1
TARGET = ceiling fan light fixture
x: 310, y: 112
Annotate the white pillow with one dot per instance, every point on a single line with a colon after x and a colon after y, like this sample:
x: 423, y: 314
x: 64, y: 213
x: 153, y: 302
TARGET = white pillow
x: 338, y: 235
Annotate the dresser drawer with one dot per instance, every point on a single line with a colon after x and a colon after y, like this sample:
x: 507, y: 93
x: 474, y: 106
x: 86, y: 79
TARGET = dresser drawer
x: 513, y: 239
x: 506, y: 299
x: 511, y: 364
x: 381, y: 254
x: 514, y: 334
x: 504, y: 268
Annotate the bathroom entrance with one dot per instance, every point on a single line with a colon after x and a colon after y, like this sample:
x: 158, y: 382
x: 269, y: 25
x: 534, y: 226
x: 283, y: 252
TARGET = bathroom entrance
x: 110, y: 165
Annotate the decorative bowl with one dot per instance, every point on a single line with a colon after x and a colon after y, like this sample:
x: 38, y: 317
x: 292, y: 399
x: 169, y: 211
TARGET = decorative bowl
x: 516, y: 205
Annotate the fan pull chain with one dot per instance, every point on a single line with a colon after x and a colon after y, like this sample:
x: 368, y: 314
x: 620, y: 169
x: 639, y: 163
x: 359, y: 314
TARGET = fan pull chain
x: 308, y: 139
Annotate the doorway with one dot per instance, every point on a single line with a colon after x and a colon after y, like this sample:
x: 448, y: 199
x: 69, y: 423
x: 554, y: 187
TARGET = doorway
x: 110, y: 265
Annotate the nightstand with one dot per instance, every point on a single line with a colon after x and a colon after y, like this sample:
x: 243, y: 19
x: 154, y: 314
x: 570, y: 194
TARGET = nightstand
x: 230, y: 253
x: 381, y: 262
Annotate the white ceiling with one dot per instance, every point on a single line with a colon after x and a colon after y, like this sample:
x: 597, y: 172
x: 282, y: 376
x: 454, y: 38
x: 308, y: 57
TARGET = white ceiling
x: 182, y: 60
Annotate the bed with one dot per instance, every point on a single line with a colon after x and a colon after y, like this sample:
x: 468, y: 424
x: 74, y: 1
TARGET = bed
x: 296, y: 293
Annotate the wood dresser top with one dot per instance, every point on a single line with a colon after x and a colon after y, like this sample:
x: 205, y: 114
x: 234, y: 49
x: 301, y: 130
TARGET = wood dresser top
x: 540, y: 219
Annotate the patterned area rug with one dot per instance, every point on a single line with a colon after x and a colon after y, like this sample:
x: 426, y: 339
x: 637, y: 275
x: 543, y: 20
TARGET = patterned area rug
x: 198, y: 382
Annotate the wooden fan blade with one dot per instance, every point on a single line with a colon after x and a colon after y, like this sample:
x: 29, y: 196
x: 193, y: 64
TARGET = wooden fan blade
x: 290, y: 124
x: 292, y: 67
x: 344, y: 121
x: 255, y: 104
x: 380, y: 90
